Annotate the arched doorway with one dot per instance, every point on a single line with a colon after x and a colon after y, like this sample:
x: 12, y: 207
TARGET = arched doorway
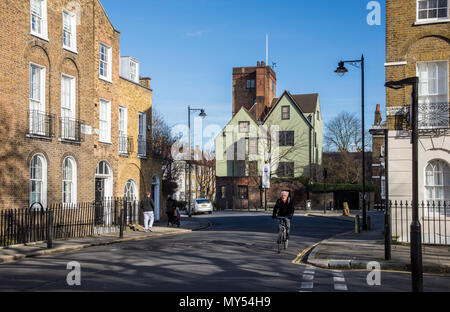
x: 155, y: 195
x: 131, y: 197
x: 103, y: 194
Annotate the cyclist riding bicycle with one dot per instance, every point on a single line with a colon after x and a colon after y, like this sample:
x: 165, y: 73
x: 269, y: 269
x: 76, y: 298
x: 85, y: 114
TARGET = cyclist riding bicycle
x: 284, y: 208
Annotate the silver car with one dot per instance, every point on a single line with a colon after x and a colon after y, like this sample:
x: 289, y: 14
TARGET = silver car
x: 202, y: 205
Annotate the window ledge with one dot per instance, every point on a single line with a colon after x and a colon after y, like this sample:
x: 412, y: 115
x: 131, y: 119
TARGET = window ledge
x: 142, y: 156
x: 41, y: 137
x: 105, y: 79
x: 39, y: 36
x: 426, y: 22
x: 124, y: 154
x: 103, y: 142
x: 75, y: 142
x: 68, y: 49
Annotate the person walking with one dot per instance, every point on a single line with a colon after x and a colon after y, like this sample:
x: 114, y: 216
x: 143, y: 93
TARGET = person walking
x: 170, y: 210
x: 148, y: 207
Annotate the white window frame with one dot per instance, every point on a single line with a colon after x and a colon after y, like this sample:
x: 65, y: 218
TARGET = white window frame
x: 37, y: 115
x: 72, y: 108
x: 73, y: 181
x: 432, y: 20
x: 108, y: 62
x: 72, y: 31
x: 434, y: 186
x: 43, y: 22
x: 123, y: 128
x: 105, y: 121
x: 142, y: 134
x: 43, y: 179
x: 136, y: 73
x: 444, y: 95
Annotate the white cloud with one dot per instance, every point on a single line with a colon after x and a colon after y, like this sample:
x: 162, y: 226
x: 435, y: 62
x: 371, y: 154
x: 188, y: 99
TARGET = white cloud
x: 194, y: 34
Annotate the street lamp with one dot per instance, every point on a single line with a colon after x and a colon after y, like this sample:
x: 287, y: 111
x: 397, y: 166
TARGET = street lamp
x: 341, y: 71
x: 202, y: 115
x: 416, y: 242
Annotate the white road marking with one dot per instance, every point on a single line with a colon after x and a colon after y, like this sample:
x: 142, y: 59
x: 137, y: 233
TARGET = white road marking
x: 307, y: 277
x: 341, y: 287
x: 339, y: 281
x: 307, y: 285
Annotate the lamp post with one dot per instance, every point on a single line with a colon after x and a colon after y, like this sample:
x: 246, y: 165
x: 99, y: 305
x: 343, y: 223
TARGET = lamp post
x: 202, y: 115
x: 416, y: 242
x: 384, y: 161
x: 341, y: 71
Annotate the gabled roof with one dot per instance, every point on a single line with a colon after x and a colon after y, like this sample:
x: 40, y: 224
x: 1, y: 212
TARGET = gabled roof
x: 107, y: 17
x: 307, y: 103
x: 310, y: 97
x: 245, y: 110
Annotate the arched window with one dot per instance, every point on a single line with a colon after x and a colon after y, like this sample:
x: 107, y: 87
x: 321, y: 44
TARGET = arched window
x: 130, y: 191
x: 102, y: 168
x: 38, y: 180
x: 69, y: 183
x: 437, y: 181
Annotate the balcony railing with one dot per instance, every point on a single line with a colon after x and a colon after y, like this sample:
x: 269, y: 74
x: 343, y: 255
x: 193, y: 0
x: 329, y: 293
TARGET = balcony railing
x: 434, y: 115
x: 41, y: 124
x: 125, y: 144
x: 142, y: 146
x: 70, y: 129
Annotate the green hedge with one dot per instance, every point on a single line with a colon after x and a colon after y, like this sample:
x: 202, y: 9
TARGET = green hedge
x: 330, y: 187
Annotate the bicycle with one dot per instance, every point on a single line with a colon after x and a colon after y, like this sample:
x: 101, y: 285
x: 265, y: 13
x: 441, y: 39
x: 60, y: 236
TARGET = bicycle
x: 282, y: 234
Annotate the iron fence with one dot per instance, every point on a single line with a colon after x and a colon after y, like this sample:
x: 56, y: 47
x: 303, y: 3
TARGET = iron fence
x: 22, y: 226
x: 41, y: 123
x: 70, y: 129
x: 434, y: 218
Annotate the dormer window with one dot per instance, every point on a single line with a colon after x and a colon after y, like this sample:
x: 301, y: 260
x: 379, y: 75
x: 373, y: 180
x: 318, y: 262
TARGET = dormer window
x: 129, y: 68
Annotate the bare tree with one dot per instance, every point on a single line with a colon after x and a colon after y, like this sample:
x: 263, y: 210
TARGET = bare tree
x: 161, y: 146
x: 344, y: 132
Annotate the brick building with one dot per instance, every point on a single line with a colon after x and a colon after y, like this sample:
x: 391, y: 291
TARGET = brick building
x: 254, y: 88
x: 418, y: 45
x: 61, y: 88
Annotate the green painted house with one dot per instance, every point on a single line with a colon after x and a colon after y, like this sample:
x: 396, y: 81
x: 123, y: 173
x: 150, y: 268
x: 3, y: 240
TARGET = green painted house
x: 289, y: 137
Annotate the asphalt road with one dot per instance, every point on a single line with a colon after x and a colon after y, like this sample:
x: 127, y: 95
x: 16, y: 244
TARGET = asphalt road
x: 237, y: 254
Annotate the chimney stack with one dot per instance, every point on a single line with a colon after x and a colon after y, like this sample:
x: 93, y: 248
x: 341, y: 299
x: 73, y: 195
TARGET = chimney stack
x: 378, y: 117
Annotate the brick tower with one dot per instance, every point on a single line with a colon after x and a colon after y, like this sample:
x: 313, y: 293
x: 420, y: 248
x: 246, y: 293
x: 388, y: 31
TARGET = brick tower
x: 254, y: 88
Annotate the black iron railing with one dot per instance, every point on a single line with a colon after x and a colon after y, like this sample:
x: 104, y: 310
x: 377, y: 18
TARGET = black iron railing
x: 126, y: 145
x: 21, y: 226
x: 434, y: 217
x: 41, y: 123
x: 142, y: 146
x: 70, y: 129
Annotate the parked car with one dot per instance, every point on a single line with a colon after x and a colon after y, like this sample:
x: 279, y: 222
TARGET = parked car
x: 202, y: 205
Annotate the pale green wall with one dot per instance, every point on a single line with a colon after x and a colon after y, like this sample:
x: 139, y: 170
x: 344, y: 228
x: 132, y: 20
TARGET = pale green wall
x: 300, y: 154
x: 224, y: 167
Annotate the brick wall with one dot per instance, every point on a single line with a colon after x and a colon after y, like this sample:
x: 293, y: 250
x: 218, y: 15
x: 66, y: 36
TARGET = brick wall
x: 406, y: 41
x: 18, y: 49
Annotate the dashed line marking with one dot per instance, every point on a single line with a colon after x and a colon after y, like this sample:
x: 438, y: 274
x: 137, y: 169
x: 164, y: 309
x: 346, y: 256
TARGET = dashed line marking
x: 308, y: 278
x: 339, y: 281
x: 340, y: 287
x: 307, y: 285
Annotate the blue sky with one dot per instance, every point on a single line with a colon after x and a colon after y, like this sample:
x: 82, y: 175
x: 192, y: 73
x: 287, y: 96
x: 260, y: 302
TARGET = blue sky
x: 189, y: 47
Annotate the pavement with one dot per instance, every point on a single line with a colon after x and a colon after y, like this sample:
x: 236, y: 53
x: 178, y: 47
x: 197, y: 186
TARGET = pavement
x: 18, y: 252
x: 350, y: 251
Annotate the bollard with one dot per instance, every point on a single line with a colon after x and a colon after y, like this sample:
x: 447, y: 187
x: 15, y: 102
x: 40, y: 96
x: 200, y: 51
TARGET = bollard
x: 369, y: 223
x: 357, y: 231
x: 121, y: 221
x: 50, y: 229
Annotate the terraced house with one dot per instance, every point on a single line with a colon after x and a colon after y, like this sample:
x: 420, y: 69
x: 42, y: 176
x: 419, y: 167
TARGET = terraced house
x: 75, y: 116
x: 418, y: 44
x: 285, y: 133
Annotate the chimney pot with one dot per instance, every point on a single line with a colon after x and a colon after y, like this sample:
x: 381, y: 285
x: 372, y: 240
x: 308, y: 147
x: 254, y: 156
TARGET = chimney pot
x: 258, y: 63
